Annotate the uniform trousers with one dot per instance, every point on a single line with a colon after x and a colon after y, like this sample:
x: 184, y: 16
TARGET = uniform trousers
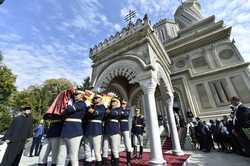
x: 114, y: 141
x: 96, y: 143
x: 127, y: 140
x: 138, y: 139
x: 53, y: 147
x: 71, y: 152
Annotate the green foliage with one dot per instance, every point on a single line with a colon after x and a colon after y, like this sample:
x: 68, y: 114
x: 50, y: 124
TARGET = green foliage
x: 5, y: 118
x: 7, y: 84
x: 85, y: 84
x: 1, y: 57
x: 39, y: 98
x: 7, y: 87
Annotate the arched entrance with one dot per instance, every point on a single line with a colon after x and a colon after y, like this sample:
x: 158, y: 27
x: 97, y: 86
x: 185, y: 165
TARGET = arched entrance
x: 135, y: 68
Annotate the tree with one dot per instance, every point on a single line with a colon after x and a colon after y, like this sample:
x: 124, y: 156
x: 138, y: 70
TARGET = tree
x: 85, y: 84
x: 1, y: 57
x: 5, y: 118
x: 7, y: 87
x: 39, y: 98
x: 7, y: 84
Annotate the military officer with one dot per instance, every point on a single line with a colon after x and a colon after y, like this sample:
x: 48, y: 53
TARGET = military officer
x: 125, y: 112
x: 72, y: 129
x: 112, y: 132
x: 137, y: 131
x: 94, y: 131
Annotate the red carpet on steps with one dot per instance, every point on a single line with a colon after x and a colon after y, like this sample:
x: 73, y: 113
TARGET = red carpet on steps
x: 171, y: 159
x: 167, y: 144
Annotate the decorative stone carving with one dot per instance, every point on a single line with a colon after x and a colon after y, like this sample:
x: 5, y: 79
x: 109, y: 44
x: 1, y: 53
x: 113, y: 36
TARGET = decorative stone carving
x: 226, y: 54
x: 124, y: 68
x: 126, y: 31
x: 180, y: 63
x: 148, y: 85
x: 199, y: 62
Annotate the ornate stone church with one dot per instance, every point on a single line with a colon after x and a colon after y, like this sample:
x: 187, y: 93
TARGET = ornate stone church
x: 189, y: 62
x: 205, y: 66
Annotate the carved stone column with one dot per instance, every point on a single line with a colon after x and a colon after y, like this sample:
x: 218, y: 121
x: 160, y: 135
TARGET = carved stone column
x: 176, y: 149
x: 149, y: 86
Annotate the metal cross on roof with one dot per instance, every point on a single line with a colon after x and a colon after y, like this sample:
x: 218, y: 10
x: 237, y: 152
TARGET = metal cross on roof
x: 131, y: 14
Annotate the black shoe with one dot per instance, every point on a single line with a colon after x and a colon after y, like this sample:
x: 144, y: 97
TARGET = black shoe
x: 53, y: 164
x: 42, y: 164
x: 69, y: 163
x: 98, y: 163
x: 135, y: 152
x: 105, y: 161
x: 87, y: 163
x: 115, y: 162
x: 128, y: 159
x: 141, y: 152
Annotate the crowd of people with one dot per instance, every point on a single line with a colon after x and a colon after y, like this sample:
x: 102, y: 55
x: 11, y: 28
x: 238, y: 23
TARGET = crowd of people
x: 76, y: 119
x: 73, y: 121
x: 231, y: 134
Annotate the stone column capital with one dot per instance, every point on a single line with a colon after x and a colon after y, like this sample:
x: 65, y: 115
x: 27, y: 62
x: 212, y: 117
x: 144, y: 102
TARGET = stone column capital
x: 148, y: 85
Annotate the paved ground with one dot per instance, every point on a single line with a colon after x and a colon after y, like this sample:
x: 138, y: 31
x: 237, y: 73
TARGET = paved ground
x: 217, y: 159
x: 197, y: 159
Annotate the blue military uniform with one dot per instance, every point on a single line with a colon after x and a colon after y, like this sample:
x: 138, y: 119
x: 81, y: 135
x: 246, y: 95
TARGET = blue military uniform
x: 124, y: 120
x: 55, y: 128
x: 112, y: 126
x: 73, y: 128
x: 124, y: 125
x: 112, y: 135
x: 94, y: 125
x: 93, y: 133
x: 138, y: 125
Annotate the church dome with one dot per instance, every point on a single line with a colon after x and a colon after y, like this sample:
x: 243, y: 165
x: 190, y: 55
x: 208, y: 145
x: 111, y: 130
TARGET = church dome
x: 188, y: 13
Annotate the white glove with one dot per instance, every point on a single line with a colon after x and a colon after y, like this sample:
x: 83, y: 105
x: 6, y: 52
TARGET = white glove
x: 7, y: 141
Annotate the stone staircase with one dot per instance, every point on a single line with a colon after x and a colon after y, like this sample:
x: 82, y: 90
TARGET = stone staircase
x: 166, y: 141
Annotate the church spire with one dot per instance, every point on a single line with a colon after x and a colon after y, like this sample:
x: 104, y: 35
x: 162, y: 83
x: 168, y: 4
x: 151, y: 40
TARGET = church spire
x: 188, y: 13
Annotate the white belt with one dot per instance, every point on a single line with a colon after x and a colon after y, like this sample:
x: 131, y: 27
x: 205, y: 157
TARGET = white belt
x: 96, y: 121
x: 124, y: 120
x: 113, y: 120
x: 138, y: 125
x: 73, y: 120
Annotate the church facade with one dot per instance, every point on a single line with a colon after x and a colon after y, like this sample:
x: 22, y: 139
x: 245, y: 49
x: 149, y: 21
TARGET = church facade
x: 205, y: 66
x: 188, y: 63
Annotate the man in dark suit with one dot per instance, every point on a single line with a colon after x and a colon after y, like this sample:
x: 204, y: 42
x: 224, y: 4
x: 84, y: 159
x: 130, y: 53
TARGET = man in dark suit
x: 240, y: 113
x: 240, y: 125
x: 19, y: 130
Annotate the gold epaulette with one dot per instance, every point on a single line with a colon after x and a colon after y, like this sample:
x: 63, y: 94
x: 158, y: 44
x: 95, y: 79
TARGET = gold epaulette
x: 55, y: 121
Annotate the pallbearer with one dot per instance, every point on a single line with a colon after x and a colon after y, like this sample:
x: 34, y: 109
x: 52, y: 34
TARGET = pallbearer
x: 137, y: 131
x: 54, y: 116
x: 94, y: 130
x: 72, y: 128
x: 124, y: 126
x: 112, y: 132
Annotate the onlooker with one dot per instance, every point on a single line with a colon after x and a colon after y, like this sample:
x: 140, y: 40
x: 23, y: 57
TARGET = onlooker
x: 37, y: 136
x: 241, y: 124
x: 19, y: 130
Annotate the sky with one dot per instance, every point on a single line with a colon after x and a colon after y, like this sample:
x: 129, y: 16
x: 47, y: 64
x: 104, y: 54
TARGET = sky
x: 43, y: 39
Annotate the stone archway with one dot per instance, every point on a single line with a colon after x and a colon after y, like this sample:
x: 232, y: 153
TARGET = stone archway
x: 137, y: 56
